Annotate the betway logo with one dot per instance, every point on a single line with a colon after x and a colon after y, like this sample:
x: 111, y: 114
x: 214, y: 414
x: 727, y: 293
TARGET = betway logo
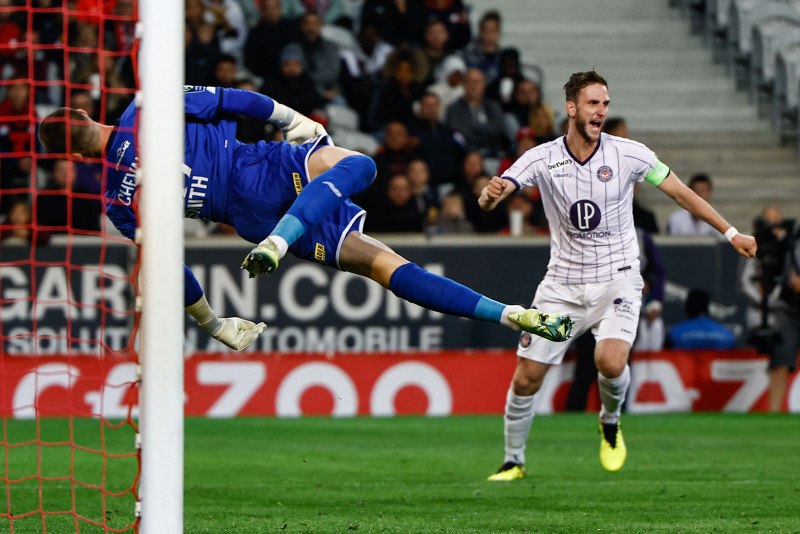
x: 559, y: 164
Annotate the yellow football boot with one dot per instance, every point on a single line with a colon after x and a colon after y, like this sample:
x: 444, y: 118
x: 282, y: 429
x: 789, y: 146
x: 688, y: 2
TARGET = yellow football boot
x: 612, y: 447
x: 508, y: 471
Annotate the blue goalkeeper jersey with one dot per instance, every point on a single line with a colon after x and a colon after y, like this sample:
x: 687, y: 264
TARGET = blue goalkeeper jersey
x: 209, y: 147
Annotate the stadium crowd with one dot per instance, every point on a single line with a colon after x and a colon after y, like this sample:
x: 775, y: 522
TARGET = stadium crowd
x: 439, y: 105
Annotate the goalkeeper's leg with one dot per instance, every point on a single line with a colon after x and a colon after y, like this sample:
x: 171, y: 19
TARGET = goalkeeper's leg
x: 361, y: 254
x: 335, y: 174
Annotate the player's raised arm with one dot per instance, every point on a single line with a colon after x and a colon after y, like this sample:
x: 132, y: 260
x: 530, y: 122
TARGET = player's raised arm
x: 495, y: 191
x: 700, y: 209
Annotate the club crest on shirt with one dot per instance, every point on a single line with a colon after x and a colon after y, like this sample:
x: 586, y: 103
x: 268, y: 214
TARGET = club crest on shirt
x: 605, y: 173
x: 525, y: 340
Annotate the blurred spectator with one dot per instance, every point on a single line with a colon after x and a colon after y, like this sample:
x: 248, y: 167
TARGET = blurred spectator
x: 44, y: 69
x: 616, y: 126
x: 441, y: 147
x: 54, y: 204
x: 15, y: 115
x: 480, y: 121
x: 502, y: 88
x: 526, y: 140
x: 249, y: 130
x: 293, y: 87
x: 266, y: 40
x: 224, y: 72
x: 483, y: 221
x: 393, y: 157
x: 362, y: 71
x: 433, y: 52
x: 393, y: 19
x: 449, y: 85
x: 80, y: 99
x: 395, y: 100
x: 699, y: 331
x: 19, y: 215
x: 484, y: 52
x: 120, y: 33
x: 322, y: 58
x: 396, y: 210
x: 525, y: 97
x: 15, y: 180
x: 542, y: 123
x: 681, y: 222
x: 774, y: 296
x: 230, y: 25
x: 202, y: 44
x: 425, y: 197
x: 83, y: 63
x: 453, y: 218
x: 520, y: 203
x: 650, y: 335
x: 453, y: 13
x: 116, y: 95
x: 331, y: 11
x: 10, y: 32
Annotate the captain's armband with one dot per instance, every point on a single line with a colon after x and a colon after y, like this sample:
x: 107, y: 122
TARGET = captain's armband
x: 658, y: 174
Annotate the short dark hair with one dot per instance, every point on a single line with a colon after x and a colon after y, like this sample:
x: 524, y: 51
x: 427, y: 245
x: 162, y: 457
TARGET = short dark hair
x: 612, y: 124
x: 492, y: 15
x: 700, y: 178
x: 697, y: 303
x: 54, y: 128
x: 578, y: 81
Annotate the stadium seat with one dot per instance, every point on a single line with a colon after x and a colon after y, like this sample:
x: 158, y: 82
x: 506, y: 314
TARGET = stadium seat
x: 342, y: 37
x: 743, y: 16
x: 787, y: 91
x: 342, y: 117
x: 716, y: 27
x: 355, y: 140
x: 768, y: 37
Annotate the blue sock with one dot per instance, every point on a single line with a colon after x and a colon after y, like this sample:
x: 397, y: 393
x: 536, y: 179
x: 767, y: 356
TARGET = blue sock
x: 414, y: 284
x: 324, y: 194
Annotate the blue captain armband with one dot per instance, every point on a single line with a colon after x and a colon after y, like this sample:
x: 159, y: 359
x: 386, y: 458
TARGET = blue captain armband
x: 658, y: 174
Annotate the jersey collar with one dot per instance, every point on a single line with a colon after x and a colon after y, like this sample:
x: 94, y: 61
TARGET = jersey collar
x: 584, y: 162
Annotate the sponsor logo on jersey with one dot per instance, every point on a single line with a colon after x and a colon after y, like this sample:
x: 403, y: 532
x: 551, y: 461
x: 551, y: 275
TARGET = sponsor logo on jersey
x: 559, y: 164
x: 319, y: 252
x: 121, y: 152
x: 198, y: 89
x: 298, y: 182
x: 605, y: 173
x: 623, y: 306
x: 585, y: 215
x: 525, y: 340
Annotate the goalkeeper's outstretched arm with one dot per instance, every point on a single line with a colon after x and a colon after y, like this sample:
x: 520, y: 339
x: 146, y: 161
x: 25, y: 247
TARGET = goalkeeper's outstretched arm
x: 234, y: 332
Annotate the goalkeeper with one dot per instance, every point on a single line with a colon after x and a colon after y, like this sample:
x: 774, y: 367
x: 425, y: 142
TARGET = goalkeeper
x: 284, y: 197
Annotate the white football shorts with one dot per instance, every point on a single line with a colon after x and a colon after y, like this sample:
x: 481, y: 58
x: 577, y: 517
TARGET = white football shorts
x: 609, y: 309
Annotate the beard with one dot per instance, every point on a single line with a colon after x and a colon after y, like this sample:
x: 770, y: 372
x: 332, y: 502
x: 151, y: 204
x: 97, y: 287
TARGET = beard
x: 581, y: 125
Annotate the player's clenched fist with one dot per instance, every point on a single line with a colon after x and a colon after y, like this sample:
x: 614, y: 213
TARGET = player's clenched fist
x: 495, y: 191
x: 495, y: 188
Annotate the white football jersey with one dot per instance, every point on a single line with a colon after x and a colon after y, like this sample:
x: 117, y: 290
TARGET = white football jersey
x: 589, y: 206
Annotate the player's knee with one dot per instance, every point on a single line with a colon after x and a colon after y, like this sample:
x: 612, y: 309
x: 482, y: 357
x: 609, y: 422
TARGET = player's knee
x: 363, y: 170
x: 611, y: 367
x: 524, y: 385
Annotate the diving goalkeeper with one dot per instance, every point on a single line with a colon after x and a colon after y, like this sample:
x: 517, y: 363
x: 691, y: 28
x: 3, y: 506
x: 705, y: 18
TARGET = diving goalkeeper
x: 284, y: 197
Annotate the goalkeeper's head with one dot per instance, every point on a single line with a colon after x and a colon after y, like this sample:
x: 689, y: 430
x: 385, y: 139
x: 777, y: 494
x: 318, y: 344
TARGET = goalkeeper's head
x: 71, y: 131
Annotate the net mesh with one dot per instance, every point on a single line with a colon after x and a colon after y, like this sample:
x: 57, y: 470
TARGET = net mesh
x: 68, y: 364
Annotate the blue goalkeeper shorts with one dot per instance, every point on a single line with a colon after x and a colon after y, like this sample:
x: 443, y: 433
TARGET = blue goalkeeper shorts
x: 265, y: 181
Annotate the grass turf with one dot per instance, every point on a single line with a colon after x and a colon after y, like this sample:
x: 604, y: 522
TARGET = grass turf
x: 685, y: 473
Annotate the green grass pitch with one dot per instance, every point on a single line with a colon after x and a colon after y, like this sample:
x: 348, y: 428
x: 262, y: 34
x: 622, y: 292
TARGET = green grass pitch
x: 685, y: 473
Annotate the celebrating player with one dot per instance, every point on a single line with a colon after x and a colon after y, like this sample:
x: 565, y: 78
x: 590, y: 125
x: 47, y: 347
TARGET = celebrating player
x: 285, y: 197
x: 586, y: 180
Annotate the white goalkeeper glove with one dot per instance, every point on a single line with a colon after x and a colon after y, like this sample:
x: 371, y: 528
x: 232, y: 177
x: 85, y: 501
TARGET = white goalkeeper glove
x: 234, y: 332
x: 237, y: 333
x: 295, y: 126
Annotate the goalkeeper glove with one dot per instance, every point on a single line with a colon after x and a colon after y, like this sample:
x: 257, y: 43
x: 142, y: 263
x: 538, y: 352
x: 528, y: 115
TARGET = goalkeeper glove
x: 234, y: 332
x: 295, y: 126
